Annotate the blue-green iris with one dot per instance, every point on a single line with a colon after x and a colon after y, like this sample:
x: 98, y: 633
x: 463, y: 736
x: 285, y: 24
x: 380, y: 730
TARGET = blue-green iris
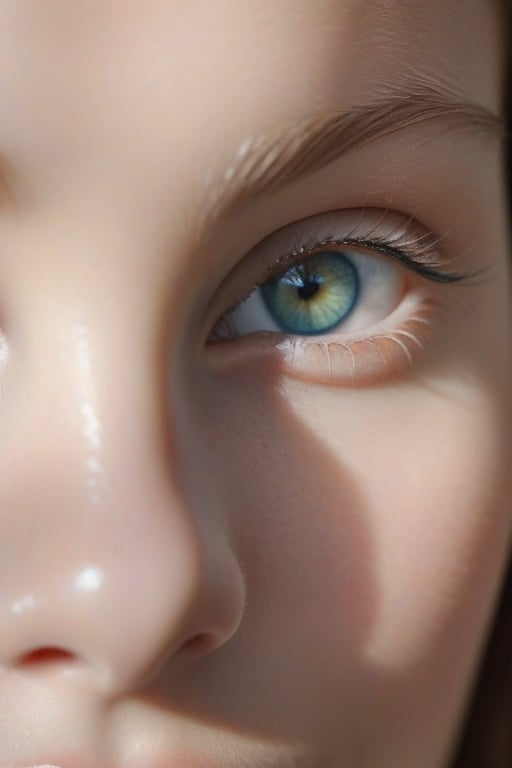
x: 314, y: 295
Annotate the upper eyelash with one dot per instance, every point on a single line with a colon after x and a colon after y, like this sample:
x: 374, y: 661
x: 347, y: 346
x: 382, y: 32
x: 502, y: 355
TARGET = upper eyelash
x: 418, y: 256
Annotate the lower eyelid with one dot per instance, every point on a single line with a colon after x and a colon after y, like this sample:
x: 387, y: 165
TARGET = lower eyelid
x: 361, y: 362
x: 354, y: 362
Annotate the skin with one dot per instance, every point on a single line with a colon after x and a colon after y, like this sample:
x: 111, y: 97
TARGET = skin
x: 207, y: 557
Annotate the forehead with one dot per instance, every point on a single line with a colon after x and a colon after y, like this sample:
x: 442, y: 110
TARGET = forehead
x: 113, y: 75
x: 255, y: 21
x: 268, y: 46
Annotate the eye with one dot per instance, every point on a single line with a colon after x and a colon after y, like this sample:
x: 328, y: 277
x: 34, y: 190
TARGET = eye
x: 331, y: 290
x: 345, y: 297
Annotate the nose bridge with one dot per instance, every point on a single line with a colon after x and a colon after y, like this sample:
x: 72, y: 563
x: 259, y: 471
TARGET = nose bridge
x: 99, y: 543
x: 79, y: 400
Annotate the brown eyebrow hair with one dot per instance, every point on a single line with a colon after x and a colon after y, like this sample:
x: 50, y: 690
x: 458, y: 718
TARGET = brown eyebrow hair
x: 267, y: 163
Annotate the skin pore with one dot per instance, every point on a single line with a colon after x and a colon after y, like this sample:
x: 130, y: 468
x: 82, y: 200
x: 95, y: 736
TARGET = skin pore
x: 224, y: 544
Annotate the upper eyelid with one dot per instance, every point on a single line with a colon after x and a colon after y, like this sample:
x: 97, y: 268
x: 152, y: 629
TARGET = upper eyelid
x: 410, y: 259
x: 419, y: 253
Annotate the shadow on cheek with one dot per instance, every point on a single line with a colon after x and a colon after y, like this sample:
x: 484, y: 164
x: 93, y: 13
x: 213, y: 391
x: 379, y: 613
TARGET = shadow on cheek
x: 298, y: 668
x: 298, y: 529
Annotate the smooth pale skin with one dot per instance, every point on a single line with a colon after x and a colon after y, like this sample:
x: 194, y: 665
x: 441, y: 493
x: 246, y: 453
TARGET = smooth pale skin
x: 211, y: 563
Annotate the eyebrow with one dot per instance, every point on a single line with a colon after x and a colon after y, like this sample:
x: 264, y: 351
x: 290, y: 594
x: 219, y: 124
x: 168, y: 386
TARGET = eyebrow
x: 268, y: 163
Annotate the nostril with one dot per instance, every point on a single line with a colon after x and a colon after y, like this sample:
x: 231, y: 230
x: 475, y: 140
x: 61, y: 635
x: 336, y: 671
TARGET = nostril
x: 199, y: 644
x: 43, y: 656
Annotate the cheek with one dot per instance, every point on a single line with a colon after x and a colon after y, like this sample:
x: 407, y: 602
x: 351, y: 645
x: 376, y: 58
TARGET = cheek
x: 430, y: 470
x: 371, y: 531
x: 298, y: 531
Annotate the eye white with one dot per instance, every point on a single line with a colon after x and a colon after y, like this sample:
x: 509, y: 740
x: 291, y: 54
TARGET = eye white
x: 380, y: 288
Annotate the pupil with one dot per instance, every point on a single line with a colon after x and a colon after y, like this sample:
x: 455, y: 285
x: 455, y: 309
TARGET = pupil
x: 308, y: 290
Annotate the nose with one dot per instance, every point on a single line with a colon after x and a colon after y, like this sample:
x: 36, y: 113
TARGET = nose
x: 110, y: 568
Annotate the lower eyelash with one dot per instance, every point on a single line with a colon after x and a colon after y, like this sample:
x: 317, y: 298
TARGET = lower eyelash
x: 360, y: 361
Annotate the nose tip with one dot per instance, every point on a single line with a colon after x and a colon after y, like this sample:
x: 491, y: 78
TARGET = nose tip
x: 178, y: 601
x: 36, y: 638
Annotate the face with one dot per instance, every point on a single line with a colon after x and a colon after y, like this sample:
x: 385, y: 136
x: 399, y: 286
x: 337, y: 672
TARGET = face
x: 254, y: 437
